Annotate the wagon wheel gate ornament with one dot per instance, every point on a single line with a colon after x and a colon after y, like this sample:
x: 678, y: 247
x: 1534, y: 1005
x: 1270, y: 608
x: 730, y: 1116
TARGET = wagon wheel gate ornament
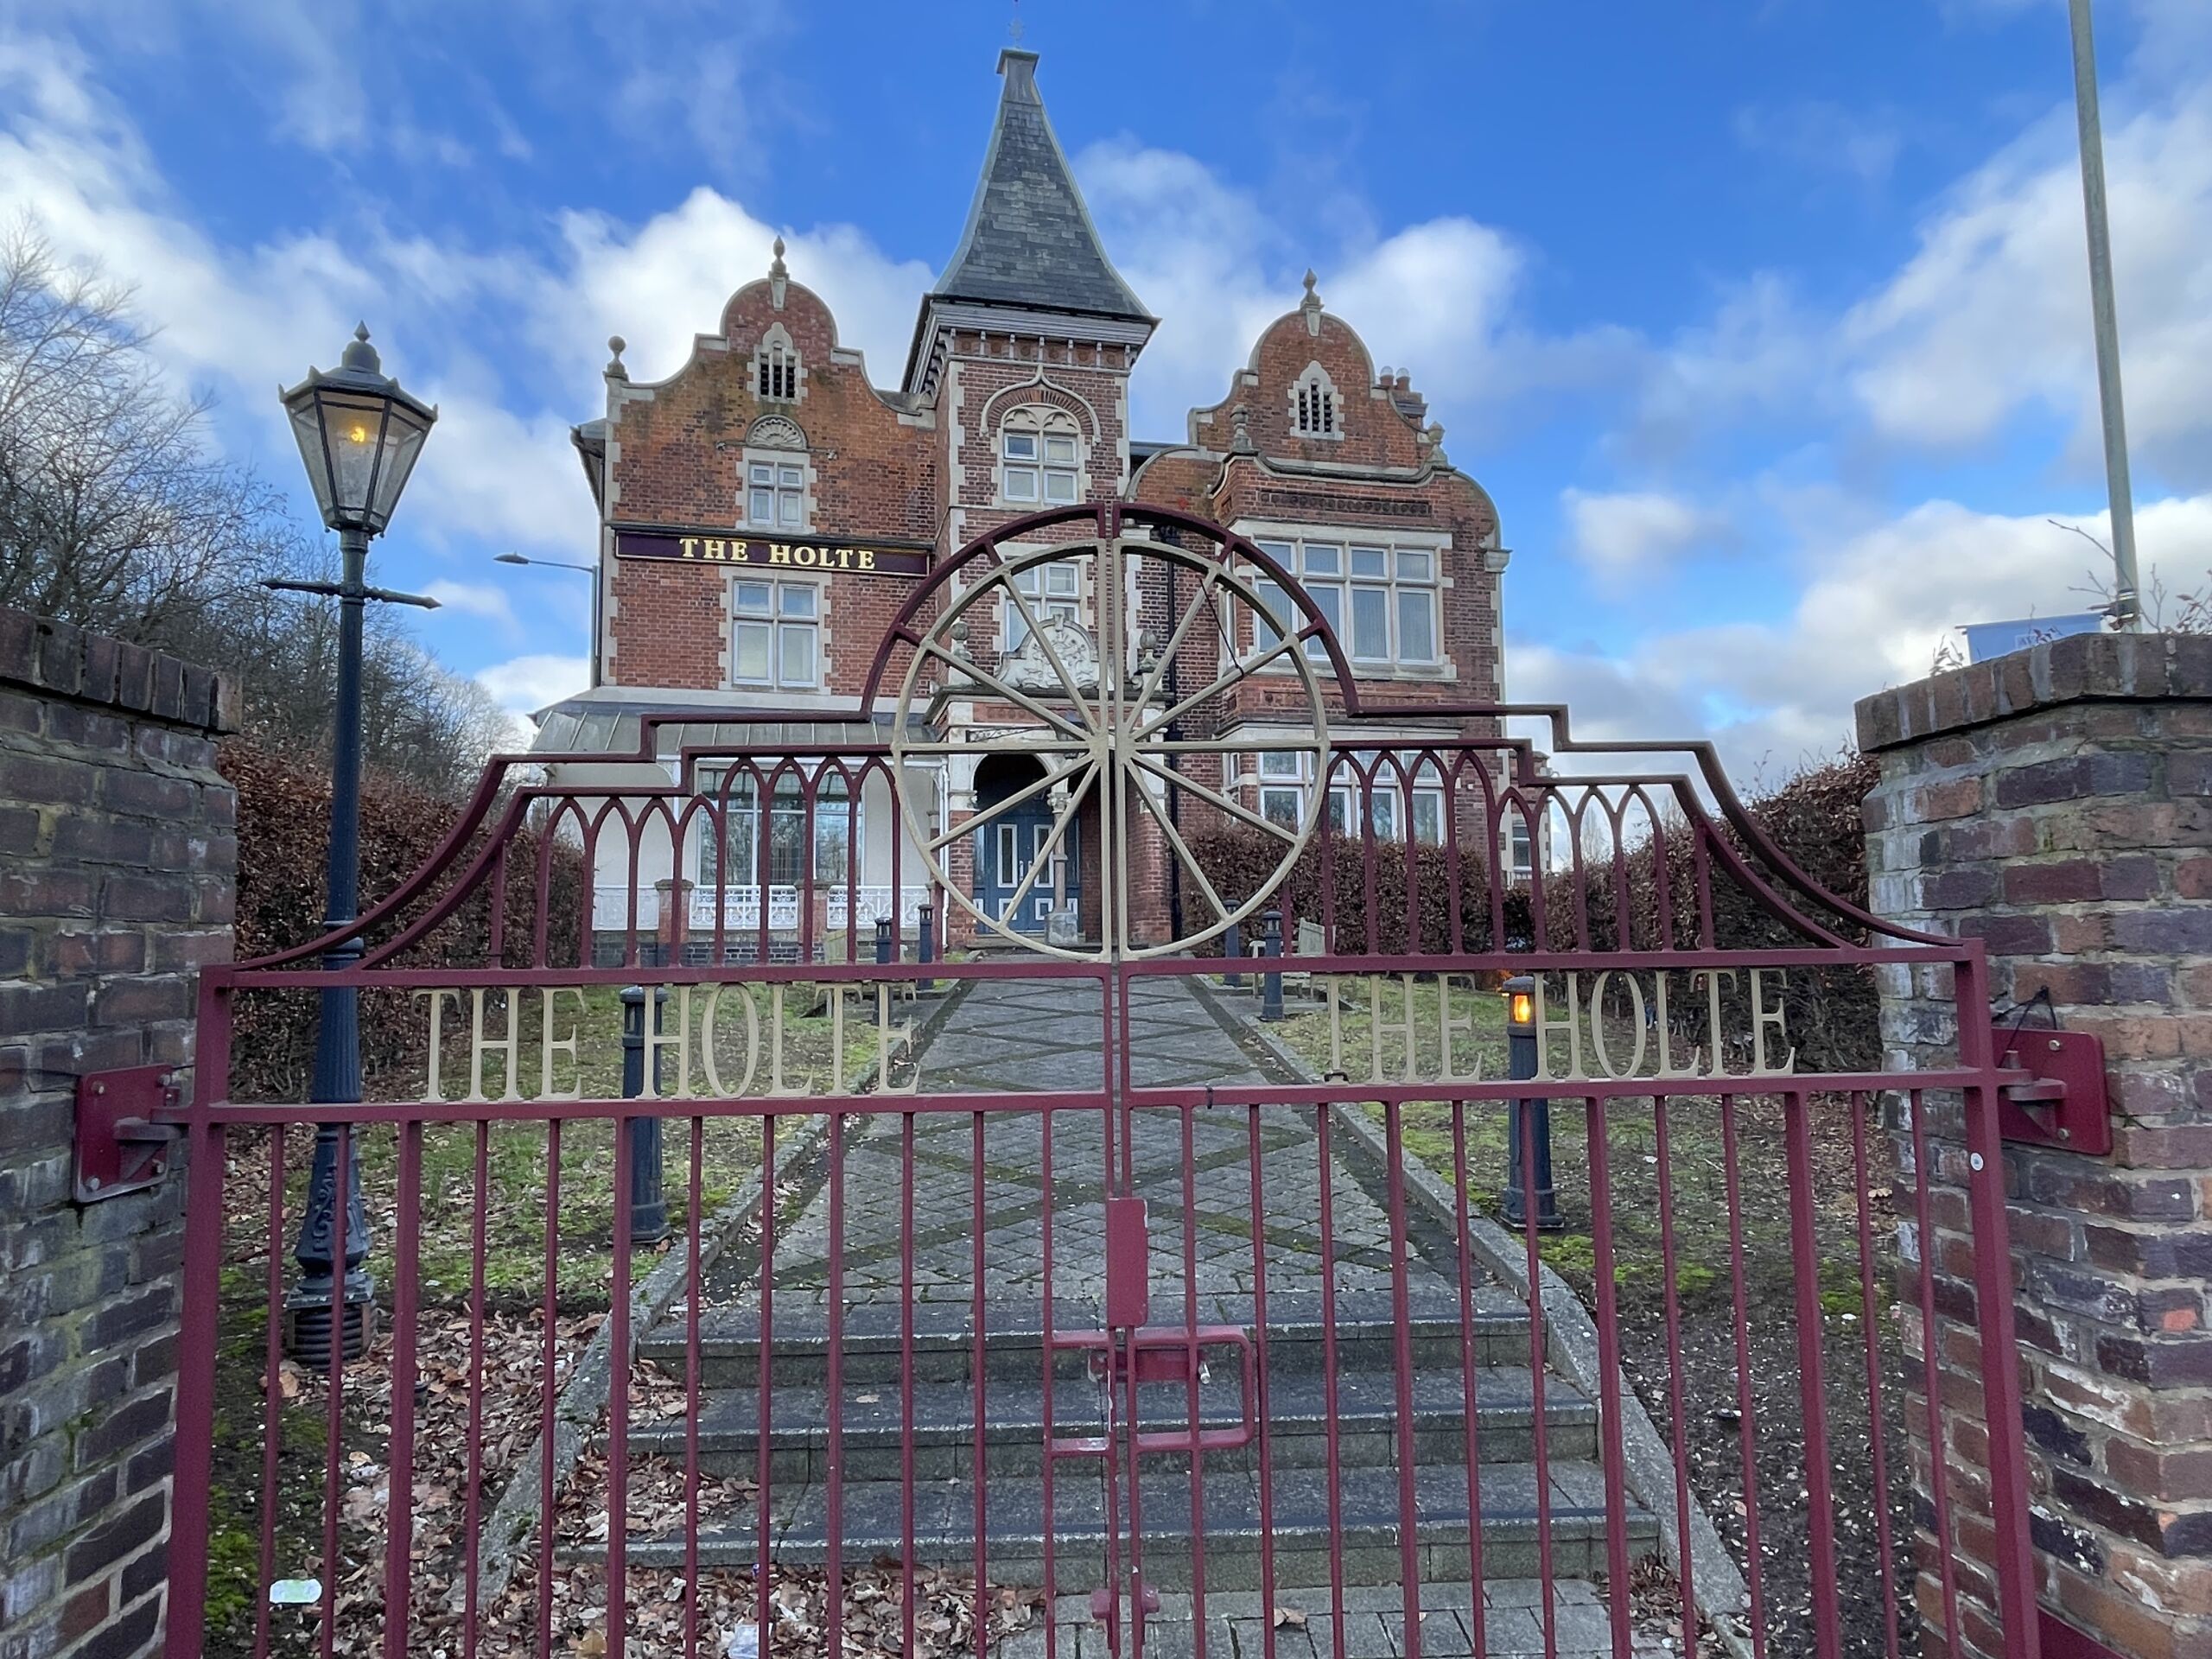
x: 1110, y: 710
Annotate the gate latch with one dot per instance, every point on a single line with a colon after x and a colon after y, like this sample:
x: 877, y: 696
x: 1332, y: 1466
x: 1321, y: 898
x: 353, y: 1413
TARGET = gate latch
x: 2054, y: 1092
x: 122, y: 1147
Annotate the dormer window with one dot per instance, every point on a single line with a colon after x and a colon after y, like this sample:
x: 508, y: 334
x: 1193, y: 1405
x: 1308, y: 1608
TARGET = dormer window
x: 1313, y: 405
x: 1040, y: 458
x: 776, y: 367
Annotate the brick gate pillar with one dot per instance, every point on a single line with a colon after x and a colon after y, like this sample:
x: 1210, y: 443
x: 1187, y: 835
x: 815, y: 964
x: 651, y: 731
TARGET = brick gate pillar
x: 2057, y: 804
x: 117, y: 852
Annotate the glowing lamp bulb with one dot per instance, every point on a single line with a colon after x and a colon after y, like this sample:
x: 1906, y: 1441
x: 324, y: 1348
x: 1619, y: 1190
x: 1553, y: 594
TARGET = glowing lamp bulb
x: 358, y: 434
x: 1523, y: 1008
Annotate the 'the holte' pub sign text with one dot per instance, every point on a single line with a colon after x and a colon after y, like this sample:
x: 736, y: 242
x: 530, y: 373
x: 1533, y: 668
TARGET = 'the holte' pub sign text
x: 721, y: 548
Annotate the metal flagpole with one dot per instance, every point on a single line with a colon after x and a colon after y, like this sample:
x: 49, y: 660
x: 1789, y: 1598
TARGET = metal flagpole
x: 2126, y: 599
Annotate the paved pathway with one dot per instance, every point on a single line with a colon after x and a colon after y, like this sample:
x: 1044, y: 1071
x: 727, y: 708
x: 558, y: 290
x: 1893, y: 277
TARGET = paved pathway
x: 1016, y: 1035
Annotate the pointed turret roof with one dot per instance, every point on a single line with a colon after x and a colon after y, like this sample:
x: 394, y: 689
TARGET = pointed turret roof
x: 1029, y: 241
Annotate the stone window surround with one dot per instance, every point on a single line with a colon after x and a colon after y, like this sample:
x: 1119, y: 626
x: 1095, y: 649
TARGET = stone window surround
x: 756, y: 454
x: 1315, y: 391
x: 819, y: 622
x: 777, y: 348
x: 1438, y: 542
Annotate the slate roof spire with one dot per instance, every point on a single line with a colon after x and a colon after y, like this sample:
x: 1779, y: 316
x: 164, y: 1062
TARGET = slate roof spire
x: 1029, y: 242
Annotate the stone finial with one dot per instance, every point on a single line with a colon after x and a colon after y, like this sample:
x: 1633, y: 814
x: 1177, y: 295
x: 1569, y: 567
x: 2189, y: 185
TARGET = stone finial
x: 359, y: 354
x: 777, y: 275
x: 960, y: 637
x: 1435, y: 436
x: 1240, y: 440
x: 615, y: 370
x: 1310, y: 305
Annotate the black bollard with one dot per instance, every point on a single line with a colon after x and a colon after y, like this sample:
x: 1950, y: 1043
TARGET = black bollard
x: 1232, y: 946
x: 884, y: 947
x: 1271, y: 983
x: 925, y: 941
x: 1521, y: 1055
x: 648, y: 1201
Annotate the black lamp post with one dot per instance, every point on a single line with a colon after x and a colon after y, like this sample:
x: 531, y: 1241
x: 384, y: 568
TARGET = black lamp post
x: 360, y: 435
x: 591, y: 570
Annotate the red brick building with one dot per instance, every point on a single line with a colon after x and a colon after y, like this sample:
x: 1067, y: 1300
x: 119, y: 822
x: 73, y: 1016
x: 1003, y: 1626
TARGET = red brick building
x: 767, y: 509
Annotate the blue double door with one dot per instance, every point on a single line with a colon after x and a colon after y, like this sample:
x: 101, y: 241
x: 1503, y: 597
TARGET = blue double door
x: 1009, y: 847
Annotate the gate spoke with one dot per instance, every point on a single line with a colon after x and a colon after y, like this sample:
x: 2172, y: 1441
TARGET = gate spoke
x: 1028, y: 792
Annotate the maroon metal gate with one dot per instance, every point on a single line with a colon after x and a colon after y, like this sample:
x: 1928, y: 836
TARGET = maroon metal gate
x: 1023, y: 1300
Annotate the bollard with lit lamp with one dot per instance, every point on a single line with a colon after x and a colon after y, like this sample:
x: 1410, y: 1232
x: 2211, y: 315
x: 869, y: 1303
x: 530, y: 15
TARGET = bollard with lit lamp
x: 1520, y: 993
x: 360, y: 435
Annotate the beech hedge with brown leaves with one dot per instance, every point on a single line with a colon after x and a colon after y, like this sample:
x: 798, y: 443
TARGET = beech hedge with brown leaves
x: 1390, y: 898
x: 283, y: 849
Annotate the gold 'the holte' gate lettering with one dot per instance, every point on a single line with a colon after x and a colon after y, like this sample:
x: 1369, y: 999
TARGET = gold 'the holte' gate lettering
x: 1606, y: 1026
x: 722, y: 1041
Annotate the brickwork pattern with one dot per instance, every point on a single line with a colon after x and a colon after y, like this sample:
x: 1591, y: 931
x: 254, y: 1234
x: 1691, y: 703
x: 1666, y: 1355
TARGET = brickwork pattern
x: 118, y: 848
x: 924, y: 465
x: 2057, y: 804
x: 677, y: 448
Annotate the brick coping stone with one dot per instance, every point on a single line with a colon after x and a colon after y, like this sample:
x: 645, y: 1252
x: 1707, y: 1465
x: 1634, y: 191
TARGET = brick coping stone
x: 39, y: 654
x: 2083, y: 667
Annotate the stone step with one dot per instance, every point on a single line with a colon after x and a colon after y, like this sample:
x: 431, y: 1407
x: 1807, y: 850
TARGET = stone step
x: 1232, y: 1525
x: 872, y: 1340
x: 1295, y: 1410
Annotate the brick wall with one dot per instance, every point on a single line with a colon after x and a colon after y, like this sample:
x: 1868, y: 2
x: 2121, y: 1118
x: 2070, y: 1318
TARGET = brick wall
x: 2057, y: 804
x: 117, y: 854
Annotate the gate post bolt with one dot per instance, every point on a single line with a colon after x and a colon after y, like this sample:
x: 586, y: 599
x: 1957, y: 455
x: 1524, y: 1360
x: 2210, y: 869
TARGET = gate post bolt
x: 1520, y: 994
x: 1271, y: 983
x: 648, y: 1200
x: 1232, y: 946
x: 925, y: 941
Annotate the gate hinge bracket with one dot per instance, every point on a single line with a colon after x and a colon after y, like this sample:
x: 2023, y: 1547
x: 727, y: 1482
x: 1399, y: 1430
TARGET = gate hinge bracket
x: 122, y: 1145
x: 2052, y: 1091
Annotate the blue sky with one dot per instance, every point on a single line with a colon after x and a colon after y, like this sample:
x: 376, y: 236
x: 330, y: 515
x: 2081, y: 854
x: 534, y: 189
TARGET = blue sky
x: 1764, y: 322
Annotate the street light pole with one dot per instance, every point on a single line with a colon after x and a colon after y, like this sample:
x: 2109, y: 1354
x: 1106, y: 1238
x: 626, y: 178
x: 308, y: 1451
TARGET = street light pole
x: 591, y: 570
x: 359, y: 434
x: 2126, y: 597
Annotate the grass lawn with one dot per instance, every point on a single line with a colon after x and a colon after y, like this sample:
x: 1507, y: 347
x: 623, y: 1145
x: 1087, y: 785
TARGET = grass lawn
x: 517, y: 1161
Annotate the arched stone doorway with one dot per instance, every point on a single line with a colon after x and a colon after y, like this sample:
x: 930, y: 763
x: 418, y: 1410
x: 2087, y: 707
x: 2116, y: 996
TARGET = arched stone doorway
x: 1019, y: 841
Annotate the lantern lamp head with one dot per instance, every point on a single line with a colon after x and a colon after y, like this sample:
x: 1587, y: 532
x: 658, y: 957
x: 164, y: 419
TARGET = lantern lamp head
x: 359, y: 435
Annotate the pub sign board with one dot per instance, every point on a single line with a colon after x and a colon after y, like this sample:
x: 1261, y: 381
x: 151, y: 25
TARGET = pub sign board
x: 723, y: 547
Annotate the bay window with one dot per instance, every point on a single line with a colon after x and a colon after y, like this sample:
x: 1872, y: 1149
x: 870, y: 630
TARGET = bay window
x: 733, y: 856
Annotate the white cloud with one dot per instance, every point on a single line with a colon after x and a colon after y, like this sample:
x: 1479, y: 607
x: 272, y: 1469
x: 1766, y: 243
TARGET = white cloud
x: 1878, y: 602
x: 491, y: 335
x: 1823, y: 135
x: 1440, y: 297
x: 1632, y: 535
x: 661, y: 282
x: 1991, y: 316
x: 523, y: 684
x: 471, y: 598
